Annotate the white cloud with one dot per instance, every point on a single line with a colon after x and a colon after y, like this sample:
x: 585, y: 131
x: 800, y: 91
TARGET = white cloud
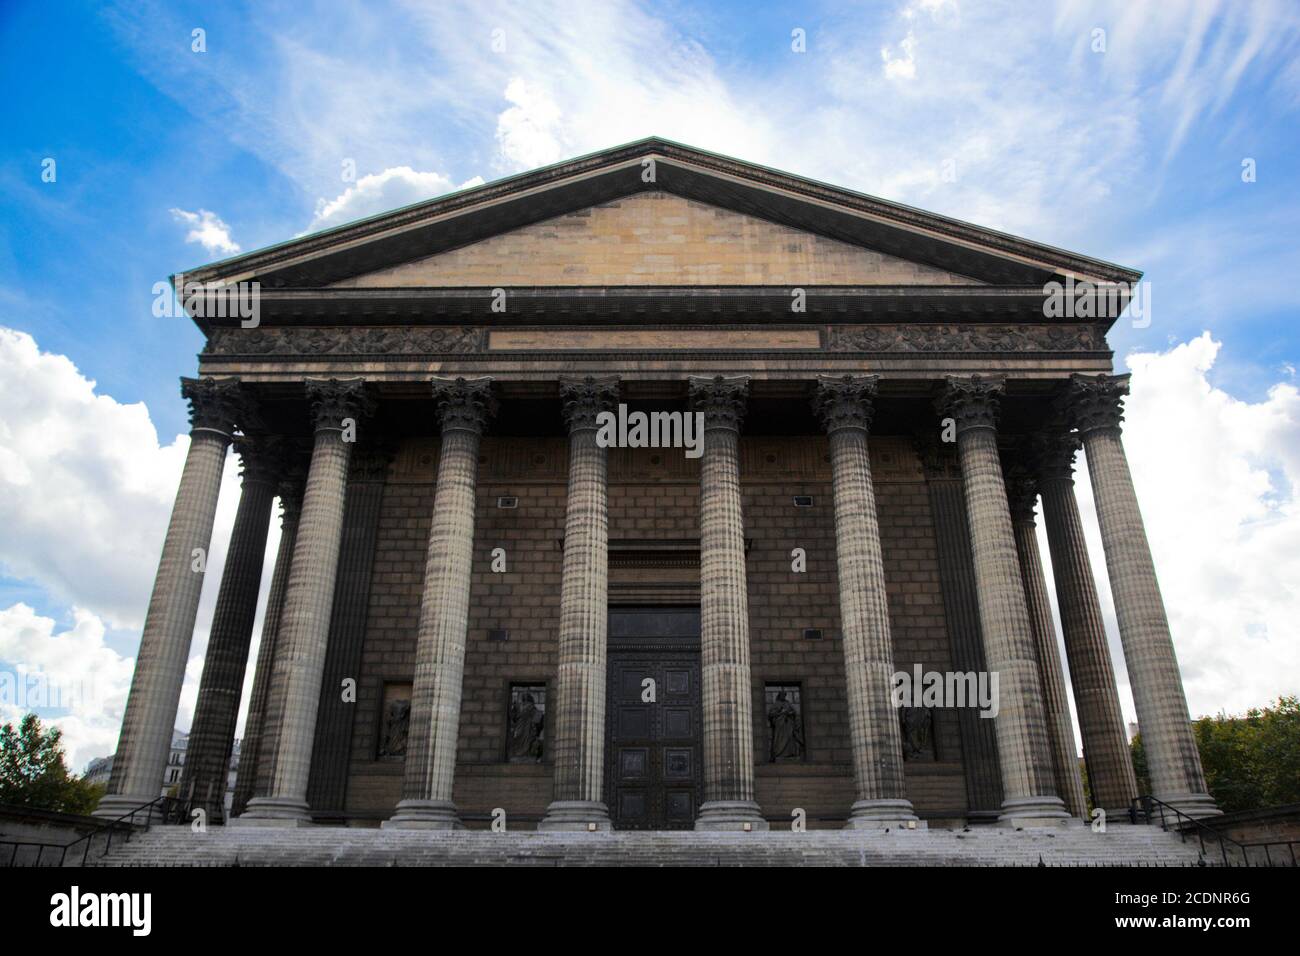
x: 527, y: 132
x: 1218, y: 481
x: 208, y: 230
x: 379, y: 192
x: 572, y: 78
x: 86, y: 491
x: 83, y: 674
x: 85, y: 485
x: 903, y: 65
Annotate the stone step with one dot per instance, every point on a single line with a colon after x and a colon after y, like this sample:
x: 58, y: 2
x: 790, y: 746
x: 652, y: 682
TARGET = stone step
x: 329, y: 846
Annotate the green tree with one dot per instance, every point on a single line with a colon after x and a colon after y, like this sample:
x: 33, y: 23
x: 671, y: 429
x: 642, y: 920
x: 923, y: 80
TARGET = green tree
x: 1250, y: 762
x: 33, y: 774
x: 1139, y: 754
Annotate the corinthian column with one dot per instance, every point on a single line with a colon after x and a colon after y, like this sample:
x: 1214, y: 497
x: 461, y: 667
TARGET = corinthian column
x: 259, y: 727
x: 464, y: 406
x: 1101, y: 723
x: 580, y: 680
x: 305, y: 620
x: 724, y: 613
x: 150, y: 716
x: 1028, y: 784
x: 845, y: 408
x: 207, y: 759
x: 1173, y: 761
x: 1022, y: 492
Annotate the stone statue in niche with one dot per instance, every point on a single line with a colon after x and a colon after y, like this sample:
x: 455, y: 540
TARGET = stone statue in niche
x: 917, y: 727
x: 397, y: 721
x: 527, y: 719
x: 787, y: 731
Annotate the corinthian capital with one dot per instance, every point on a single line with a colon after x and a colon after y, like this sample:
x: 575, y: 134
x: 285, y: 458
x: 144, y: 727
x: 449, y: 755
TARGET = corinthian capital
x: 585, y: 398
x: 1021, y: 483
x: 334, y: 399
x: 216, y: 405
x: 1095, y: 401
x: 464, y: 403
x: 971, y: 401
x: 721, y: 398
x: 845, y: 401
x: 261, y: 456
x: 1054, y: 451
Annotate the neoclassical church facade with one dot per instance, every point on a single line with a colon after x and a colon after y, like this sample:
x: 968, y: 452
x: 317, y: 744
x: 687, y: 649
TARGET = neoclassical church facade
x: 481, y: 609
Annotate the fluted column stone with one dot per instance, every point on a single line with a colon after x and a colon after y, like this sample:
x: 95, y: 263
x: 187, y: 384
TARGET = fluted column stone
x: 584, y: 607
x: 309, y: 595
x: 979, y: 747
x: 728, y: 708
x: 150, y: 718
x: 253, y: 777
x: 464, y: 406
x: 845, y: 406
x: 1094, y: 405
x: 1022, y: 492
x: 1092, y: 675
x: 212, y: 735
x: 1028, y: 780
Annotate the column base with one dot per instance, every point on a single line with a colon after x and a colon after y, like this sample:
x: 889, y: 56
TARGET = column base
x: 880, y: 814
x: 1195, y: 805
x: 1041, y: 811
x: 274, y: 812
x: 576, y: 815
x: 113, y: 806
x: 730, y: 815
x: 424, y: 815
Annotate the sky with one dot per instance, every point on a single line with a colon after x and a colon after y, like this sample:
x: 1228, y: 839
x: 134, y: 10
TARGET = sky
x: 1162, y: 136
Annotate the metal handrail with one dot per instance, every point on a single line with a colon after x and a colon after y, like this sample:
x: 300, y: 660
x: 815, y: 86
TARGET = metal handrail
x: 168, y: 810
x: 1143, y: 806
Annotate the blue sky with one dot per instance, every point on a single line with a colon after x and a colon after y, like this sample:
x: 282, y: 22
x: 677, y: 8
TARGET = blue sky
x: 1131, y: 153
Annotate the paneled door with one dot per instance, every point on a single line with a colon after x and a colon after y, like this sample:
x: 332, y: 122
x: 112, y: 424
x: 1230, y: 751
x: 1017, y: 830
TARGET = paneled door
x: 653, y: 773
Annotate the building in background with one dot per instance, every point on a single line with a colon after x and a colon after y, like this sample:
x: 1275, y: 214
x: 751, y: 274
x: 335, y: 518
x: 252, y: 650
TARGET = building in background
x: 100, y: 770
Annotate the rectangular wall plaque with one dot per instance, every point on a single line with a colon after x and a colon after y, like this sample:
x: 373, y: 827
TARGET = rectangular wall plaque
x: 652, y: 339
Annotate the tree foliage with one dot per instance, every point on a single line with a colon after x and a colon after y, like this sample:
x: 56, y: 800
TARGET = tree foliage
x: 1250, y: 762
x: 33, y: 773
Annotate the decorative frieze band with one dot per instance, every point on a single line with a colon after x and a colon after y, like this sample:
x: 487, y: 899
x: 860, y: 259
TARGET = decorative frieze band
x: 387, y: 340
x: 460, y: 340
x: 967, y: 338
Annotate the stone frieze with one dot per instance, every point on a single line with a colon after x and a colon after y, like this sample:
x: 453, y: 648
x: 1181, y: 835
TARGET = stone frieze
x: 1072, y: 337
x: 384, y: 340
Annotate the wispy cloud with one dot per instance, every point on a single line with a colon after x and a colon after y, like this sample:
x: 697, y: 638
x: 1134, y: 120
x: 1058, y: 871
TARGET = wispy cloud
x: 208, y: 230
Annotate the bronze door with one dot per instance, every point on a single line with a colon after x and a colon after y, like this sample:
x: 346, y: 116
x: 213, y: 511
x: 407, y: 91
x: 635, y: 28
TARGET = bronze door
x: 653, y: 773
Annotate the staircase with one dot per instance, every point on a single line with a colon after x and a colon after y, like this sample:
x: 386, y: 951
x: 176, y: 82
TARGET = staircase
x: 1076, y: 845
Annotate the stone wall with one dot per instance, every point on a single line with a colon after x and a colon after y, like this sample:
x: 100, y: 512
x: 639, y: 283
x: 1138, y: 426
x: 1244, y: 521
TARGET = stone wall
x: 653, y: 495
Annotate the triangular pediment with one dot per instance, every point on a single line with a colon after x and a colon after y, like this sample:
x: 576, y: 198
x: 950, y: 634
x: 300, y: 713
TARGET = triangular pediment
x: 656, y: 239
x: 655, y: 214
